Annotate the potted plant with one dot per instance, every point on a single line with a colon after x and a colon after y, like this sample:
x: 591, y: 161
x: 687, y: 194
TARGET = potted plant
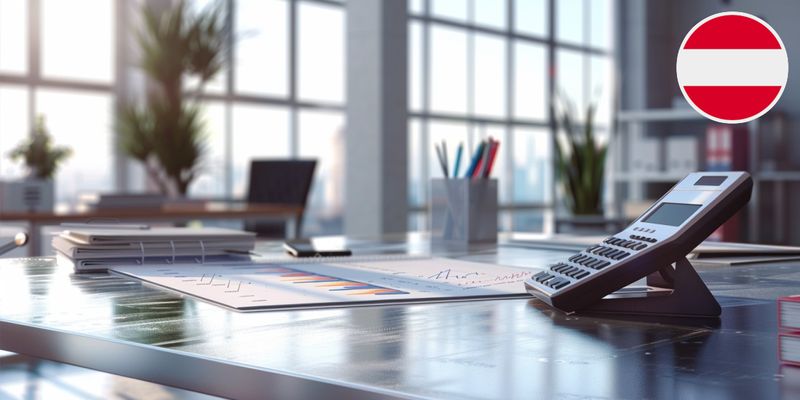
x: 166, y: 133
x: 580, y: 161
x: 41, y: 159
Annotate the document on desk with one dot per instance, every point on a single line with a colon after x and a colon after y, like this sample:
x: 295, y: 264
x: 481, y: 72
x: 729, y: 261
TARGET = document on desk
x: 268, y: 286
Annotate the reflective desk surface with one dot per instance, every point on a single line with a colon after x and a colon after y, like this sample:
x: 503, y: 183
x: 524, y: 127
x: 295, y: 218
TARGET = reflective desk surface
x: 473, y: 350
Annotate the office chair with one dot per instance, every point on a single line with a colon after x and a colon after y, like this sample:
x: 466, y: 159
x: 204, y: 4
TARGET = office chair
x: 279, y: 182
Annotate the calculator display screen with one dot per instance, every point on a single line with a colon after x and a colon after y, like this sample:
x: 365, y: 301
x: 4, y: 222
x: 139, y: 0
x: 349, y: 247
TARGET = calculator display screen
x: 672, y: 214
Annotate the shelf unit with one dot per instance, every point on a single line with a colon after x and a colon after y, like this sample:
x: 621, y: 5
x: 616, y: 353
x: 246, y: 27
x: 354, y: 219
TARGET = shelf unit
x: 632, y: 186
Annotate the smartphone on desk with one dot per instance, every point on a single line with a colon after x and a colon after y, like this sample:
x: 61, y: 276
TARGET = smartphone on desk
x: 307, y: 248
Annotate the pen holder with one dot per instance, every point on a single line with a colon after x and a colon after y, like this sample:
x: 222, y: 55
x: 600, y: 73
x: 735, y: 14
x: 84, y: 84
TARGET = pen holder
x: 463, y: 210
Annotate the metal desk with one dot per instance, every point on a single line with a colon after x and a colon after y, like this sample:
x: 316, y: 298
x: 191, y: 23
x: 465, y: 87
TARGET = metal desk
x: 479, y: 350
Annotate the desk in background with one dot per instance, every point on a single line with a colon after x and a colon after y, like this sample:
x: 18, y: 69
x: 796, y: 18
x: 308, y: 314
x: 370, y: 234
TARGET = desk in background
x: 168, y: 213
x: 479, y: 350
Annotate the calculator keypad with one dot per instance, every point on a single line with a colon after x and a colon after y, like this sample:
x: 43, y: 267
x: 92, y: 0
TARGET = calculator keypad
x: 593, y: 259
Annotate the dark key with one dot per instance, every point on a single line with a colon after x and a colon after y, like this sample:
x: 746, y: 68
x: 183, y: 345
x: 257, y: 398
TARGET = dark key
x: 558, y: 267
x: 543, y: 278
x: 574, y: 257
x: 639, y: 246
x: 581, y: 275
x: 602, y: 265
x: 594, y: 263
x: 612, y: 254
x: 575, y: 273
x: 621, y: 256
x: 567, y: 270
x: 560, y: 285
x: 554, y: 282
x: 539, y: 275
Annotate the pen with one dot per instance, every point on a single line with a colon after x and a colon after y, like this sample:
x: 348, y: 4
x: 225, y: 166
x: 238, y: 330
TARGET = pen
x: 20, y: 240
x: 475, y: 159
x: 444, y: 156
x: 484, y: 164
x: 441, y: 160
x: 458, y: 159
x: 492, y: 157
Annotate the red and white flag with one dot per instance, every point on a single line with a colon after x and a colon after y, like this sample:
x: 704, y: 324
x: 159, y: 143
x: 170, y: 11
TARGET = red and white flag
x: 732, y: 67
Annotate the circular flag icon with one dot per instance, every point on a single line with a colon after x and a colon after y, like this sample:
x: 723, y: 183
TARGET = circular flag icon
x: 732, y: 67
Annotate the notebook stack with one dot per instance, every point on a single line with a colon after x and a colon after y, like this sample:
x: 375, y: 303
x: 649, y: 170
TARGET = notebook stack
x: 93, y: 249
x: 789, y: 330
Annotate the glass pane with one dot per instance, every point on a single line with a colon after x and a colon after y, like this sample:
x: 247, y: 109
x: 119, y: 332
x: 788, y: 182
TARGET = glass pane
x: 416, y: 6
x: 454, y: 133
x: 532, y: 167
x: 78, y: 39
x: 448, y: 77
x: 262, y: 65
x: 570, y: 82
x: 13, y: 36
x: 415, y: 66
x: 501, y: 165
x: 83, y: 122
x: 450, y: 9
x: 527, y: 221
x: 490, y: 75
x: 258, y: 132
x: 602, y: 21
x: 214, y: 168
x: 570, y: 20
x: 321, y: 52
x: 491, y: 13
x: 322, y: 138
x: 602, y: 88
x: 530, y: 81
x: 416, y: 154
x: 14, y: 127
x: 530, y: 17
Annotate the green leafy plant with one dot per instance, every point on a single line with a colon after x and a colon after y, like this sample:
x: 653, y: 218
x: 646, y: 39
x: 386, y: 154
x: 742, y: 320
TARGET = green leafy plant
x: 580, y: 159
x: 40, y: 156
x: 167, y: 134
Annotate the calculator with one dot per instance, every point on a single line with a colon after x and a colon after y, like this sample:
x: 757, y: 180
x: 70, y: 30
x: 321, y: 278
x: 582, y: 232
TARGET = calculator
x: 671, y: 228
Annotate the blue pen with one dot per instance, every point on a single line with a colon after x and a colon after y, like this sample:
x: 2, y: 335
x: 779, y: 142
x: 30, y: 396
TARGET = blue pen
x: 475, y: 158
x: 458, y: 159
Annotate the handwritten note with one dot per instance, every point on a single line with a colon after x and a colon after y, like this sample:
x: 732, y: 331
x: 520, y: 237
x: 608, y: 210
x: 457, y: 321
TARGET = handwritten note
x: 280, y: 286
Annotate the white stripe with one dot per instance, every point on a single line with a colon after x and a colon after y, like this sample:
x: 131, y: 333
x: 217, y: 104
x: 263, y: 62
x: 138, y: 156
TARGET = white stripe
x: 732, y: 67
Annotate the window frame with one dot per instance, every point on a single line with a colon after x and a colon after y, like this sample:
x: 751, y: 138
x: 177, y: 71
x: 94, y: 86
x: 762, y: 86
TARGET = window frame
x: 424, y: 115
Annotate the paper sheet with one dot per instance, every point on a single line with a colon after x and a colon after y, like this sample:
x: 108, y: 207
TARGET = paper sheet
x: 320, y: 284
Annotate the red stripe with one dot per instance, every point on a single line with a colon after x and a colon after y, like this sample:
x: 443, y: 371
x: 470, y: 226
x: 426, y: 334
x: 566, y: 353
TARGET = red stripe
x: 732, y: 32
x: 732, y: 102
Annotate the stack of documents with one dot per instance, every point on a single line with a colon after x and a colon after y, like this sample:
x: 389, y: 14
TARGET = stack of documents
x: 92, y: 249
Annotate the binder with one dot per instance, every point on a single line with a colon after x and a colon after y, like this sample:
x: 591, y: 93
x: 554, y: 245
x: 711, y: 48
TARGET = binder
x: 101, y: 249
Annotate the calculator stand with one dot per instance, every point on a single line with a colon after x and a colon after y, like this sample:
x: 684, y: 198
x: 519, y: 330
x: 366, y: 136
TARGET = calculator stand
x: 689, y: 296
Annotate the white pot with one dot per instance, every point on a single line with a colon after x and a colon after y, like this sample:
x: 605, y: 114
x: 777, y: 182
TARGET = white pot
x: 28, y: 195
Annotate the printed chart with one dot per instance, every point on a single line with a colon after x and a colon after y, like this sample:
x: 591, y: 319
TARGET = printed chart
x: 320, y: 284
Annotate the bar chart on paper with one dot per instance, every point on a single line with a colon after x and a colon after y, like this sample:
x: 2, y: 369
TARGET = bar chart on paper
x: 268, y: 286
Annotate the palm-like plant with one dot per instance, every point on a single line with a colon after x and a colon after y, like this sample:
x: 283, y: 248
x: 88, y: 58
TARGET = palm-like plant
x: 167, y: 133
x: 580, y: 159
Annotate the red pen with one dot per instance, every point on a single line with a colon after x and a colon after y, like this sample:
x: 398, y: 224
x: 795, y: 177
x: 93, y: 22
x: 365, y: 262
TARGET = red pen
x: 492, y: 156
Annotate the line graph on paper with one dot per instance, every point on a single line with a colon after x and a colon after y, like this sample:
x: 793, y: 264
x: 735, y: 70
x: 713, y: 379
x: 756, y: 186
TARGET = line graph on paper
x: 263, y: 286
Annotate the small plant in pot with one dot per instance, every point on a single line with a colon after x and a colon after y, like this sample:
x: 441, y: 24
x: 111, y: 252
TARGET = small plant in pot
x: 41, y: 159
x: 580, y: 159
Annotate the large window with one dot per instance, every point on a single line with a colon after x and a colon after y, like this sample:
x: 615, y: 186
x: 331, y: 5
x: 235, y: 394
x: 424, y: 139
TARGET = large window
x: 480, y: 68
x: 280, y: 95
x: 40, y: 75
